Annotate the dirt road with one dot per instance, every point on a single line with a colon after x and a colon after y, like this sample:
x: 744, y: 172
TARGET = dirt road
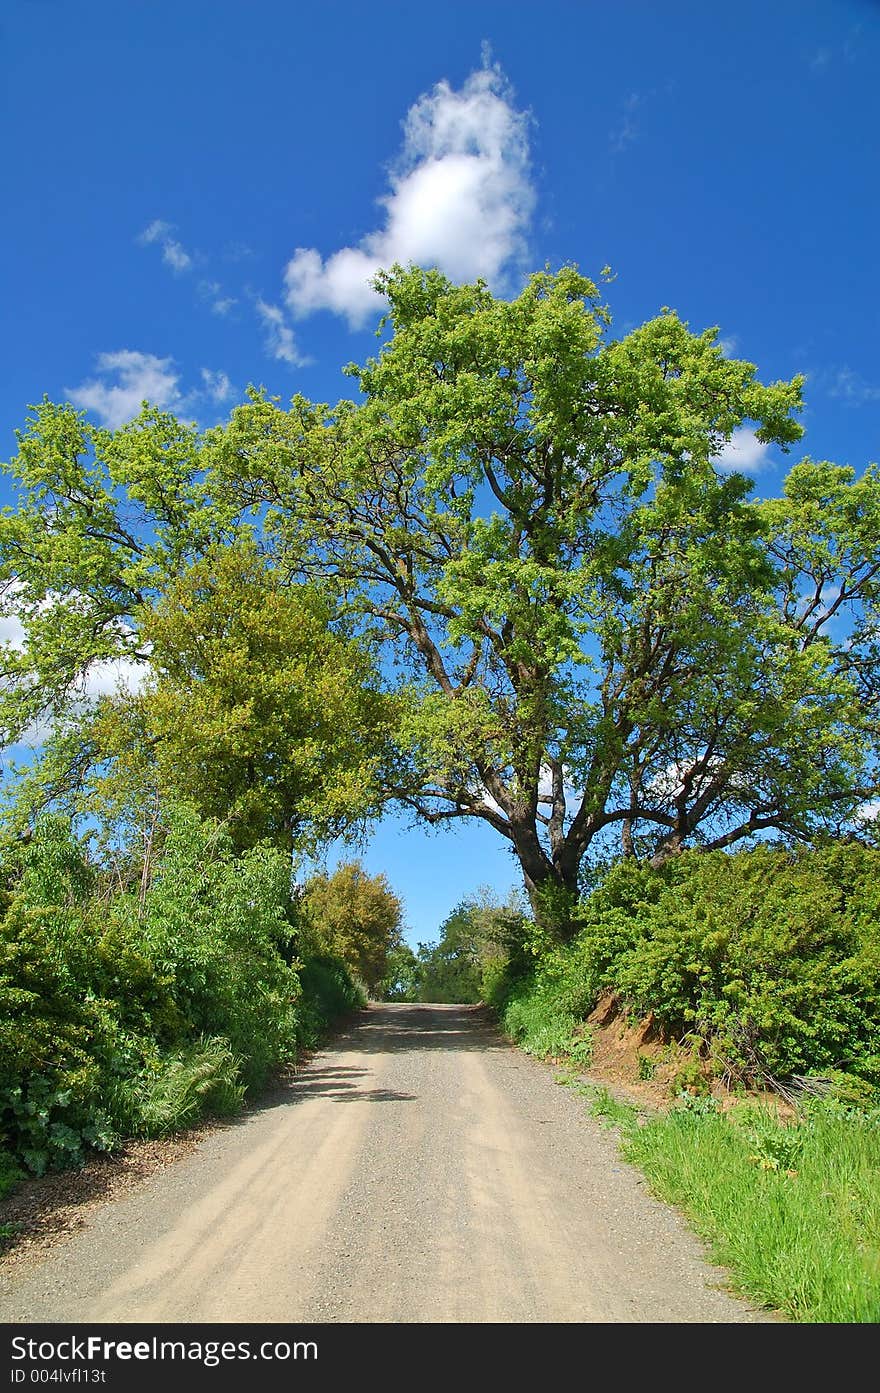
x: 418, y: 1170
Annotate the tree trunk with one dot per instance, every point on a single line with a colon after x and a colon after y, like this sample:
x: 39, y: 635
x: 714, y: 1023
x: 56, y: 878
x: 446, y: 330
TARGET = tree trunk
x: 552, y: 889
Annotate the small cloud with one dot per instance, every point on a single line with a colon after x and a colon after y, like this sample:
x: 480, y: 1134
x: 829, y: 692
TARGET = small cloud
x: 217, y: 385
x: 174, y: 256
x: 850, y: 387
x: 727, y: 345
x: 822, y: 58
x: 626, y: 131
x: 139, y: 377
x: 155, y: 232
x: 212, y: 293
x: 625, y: 134
x: 280, y: 340
x: 237, y: 251
x: 869, y: 812
x: 460, y: 198
x: 173, y: 253
x: 743, y: 452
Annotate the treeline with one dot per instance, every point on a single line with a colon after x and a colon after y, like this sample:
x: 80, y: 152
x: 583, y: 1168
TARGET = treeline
x: 144, y: 988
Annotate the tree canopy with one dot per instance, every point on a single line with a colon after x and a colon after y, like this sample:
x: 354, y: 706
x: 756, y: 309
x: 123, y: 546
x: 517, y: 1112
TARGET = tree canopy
x: 356, y: 917
x: 595, y: 638
x: 600, y: 633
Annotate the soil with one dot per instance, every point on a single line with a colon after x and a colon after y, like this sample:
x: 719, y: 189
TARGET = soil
x: 640, y: 1064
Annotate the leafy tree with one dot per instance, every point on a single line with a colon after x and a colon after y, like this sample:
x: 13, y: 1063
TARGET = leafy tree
x: 598, y: 640
x: 401, y: 982
x: 249, y: 699
x: 256, y: 711
x: 357, y: 918
x: 104, y: 520
x: 599, y: 634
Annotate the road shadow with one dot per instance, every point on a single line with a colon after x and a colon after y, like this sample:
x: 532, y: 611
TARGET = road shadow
x: 342, y: 1086
x: 398, y: 1028
x: 51, y: 1207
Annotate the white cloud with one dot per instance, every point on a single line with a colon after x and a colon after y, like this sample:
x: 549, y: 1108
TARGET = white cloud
x: 280, y: 341
x: 851, y: 387
x: 869, y: 812
x: 727, y: 345
x: 140, y: 377
x: 626, y: 131
x: 173, y: 254
x: 460, y: 198
x: 220, y: 304
x: 217, y: 385
x: 103, y: 677
x: 743, y: 452
x: 545, y: 793
x: 108, y: 676
x: 668, y: 784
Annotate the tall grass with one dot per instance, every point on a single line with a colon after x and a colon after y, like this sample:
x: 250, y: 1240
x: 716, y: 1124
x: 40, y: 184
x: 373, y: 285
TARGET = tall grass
x: 792, y: 1210
x: 202, y: 1078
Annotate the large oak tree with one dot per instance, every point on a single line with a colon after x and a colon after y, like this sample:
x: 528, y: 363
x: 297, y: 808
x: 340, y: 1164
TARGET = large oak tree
x: 598, y: 640
x: 604, y: 640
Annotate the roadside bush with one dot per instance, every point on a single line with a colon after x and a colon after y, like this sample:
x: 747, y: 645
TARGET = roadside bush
x: 216, y: 924
x: 328, y: 992
x: 770, y: 957
x: 126, y: 1013
x: 177, y: 1090
x: 57, y: 1047
x: 774, y: 958
x: 545, y: 1011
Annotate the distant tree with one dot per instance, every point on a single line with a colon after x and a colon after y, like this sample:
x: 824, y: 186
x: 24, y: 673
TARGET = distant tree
x: 357, y: 917
x: 478, y: 932
x: 401, y: 981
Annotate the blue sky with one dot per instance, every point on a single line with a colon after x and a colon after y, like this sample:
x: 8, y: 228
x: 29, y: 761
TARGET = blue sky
x: 195, y: 193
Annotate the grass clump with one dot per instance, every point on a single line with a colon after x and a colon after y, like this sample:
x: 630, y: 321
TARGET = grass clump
x: 791, y: 1208
x: 202, y: 1079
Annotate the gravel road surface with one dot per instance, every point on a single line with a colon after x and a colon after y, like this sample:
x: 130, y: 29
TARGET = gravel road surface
x: 418, y: 1169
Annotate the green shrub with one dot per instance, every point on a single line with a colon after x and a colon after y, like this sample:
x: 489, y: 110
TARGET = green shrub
x: 766, y: 960
x: 328, y: 992
x: 10, y: 1174
x: 545, y: 1011
x: 775, y: 958
x: 122, y: 1013
x: 57, y: 1047
x: 217, y: 924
